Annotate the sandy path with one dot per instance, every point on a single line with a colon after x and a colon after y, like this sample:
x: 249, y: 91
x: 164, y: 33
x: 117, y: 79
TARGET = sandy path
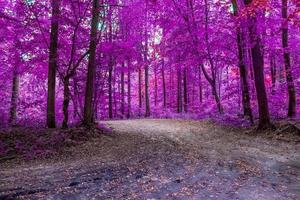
x: 210, y: 139
x: 162, y: 159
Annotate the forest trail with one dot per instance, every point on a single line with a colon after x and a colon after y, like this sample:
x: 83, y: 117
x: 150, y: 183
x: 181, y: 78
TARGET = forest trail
x: 162, y: 159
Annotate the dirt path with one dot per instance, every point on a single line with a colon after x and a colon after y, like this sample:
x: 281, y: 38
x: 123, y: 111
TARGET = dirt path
x: 162, y: 159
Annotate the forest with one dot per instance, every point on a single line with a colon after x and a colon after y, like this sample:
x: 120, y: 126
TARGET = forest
x: 211, y: 84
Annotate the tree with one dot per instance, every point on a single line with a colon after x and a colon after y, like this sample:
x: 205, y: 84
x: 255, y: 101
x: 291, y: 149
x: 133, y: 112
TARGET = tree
x: 287, y: 62
x: 258, y: 68
x: 243, y: 69
x: 15, y: 86
x: 89, y: 89
x: 53, y: 56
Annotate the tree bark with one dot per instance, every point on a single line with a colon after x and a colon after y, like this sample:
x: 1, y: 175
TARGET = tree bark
x: 164, y: 84
x: 88, y: 103
x: 287, y: 62
x: 155, y: 86
x: 129, y: 89
x: 147, y: 114
x: 123, y: 92
x: 200, y: 86
x: 14, y: 95
x: 110, y: 98
x: 185, y: 91
x: 53, y: 57
x: 273, y: 72
x: 66, y: 102
x: 140, y: 89
x: 179, y: 92
x: 258, y: 69
x: 147, y: 98
x: 243, y: 71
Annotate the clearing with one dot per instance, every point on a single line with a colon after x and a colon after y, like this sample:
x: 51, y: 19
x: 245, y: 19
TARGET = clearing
x: 162, y: 159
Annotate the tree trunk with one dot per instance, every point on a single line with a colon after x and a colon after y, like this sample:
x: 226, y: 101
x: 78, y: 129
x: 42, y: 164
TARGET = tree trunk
x: 122, y: 92
x: 140, y: 89
x: 110, y: 98
x: 147, y: 114
x: 287, y: 62
x: 258, y: 68
x: 217, y: 99
x: 53, y: 56
x: 155, y: 86
x: 88, y: 103
x: 66, y: 102
x: 243, y: 71
x: 273, y: 72
x: 185, y: 89
x: 164, y: 84
x: 14, y: 96
x: 129, y: 90
x: 200, y: 86
x: 179, y: 93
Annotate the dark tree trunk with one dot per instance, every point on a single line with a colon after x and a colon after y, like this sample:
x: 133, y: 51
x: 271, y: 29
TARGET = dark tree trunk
x: 287, y: 62
x: 200, y: 86
x: 66, y: 102
x: 147, y: 114
x: 179, y: 92
x: 243, y: 71
x: 185, y: 89
x: 147, y: 96
x: 258, y: 68
x: 123, y: 92
x: 140, y: 89
x: 53, y: 56
x: 110, y: 97
x: 129, y: 90
x: 155, y: 86
x: 88, y: 103
x: 273, y: 72
x: 217, y: 99
x: 14, y: 96
x: 164, y: 84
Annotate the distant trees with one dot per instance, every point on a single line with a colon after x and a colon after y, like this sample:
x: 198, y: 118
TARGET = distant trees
x: 113, y: 61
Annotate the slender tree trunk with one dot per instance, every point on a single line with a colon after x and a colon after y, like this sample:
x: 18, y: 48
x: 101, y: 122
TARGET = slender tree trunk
x: 129, y: 89
x: 53, y: 56
x: 185, y: 89
x: 147, y: 114
x: 287, y: 62
x: 217, y: 99
x: 123, y: 92
x: 164, y: 84
x: 110, y: 97
x: 273, y: 72
x: 170, y: 87
x: 147, y: 98
x: 88, y: 104
x: 140, y: 89
x: 243, y: 71
x: 258, y: 68
x: 66, y: 102
x: 200, y: 86
x: 155, y: 86
x: 14, y: 95
x: 179, y: 92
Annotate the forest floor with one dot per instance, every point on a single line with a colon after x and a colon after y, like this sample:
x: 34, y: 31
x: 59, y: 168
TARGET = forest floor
x: 162, y: 159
